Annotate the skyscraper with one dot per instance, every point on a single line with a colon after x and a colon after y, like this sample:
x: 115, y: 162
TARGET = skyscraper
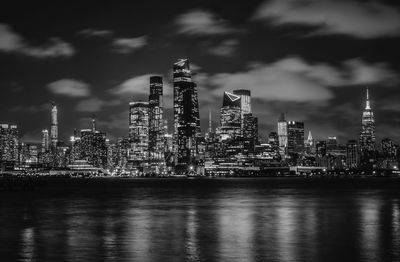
x: 282, y: 135
x: 139, y: 131
x: 186, y: 115
x: 295, y: 137
x: 367, y: 136
x: 245, y: 102
x: 231, y: 120
x: 156, y: 122
x: 93, y: 147
x: 250, y: 132
x: 45, y: 140
x: 388, y: 148
x: 54, y: 125
x: 352, y: 157
x: 9, y: 139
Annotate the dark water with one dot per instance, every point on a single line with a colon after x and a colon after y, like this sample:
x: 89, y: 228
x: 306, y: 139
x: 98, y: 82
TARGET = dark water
x: 203, y: 220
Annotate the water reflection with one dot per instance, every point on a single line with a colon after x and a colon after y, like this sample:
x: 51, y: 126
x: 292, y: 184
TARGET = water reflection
x: 219, y: 223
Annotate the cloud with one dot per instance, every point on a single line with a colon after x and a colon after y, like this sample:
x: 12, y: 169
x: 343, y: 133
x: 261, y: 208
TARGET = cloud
x: 226, y: 48
x: 54, y: 48
x: 201, y: 22
x: 128, y: 45
x: 90, y: 32
x: 30, y: 109
x: 139, y: 86
x: 294, y: 79
x: 12, y: 42
x: 69, y: 87
x: 94, y: 104
x: 90, y: 105
x: 355, y: 18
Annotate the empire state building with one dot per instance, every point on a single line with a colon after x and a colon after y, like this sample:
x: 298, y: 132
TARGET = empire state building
x: 367, y: 136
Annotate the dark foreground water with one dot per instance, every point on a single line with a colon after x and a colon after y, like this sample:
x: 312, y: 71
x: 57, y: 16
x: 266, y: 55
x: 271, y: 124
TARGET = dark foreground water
x: 270, y: 219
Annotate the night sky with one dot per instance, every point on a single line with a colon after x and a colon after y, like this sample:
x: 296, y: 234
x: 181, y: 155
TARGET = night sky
x: 313, y: 59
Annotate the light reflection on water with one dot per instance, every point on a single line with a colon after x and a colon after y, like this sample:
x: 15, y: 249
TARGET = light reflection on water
x: 239, y: 221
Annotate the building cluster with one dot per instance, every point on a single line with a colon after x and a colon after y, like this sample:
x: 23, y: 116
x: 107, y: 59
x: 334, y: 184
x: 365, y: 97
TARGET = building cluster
x: 231, y: 148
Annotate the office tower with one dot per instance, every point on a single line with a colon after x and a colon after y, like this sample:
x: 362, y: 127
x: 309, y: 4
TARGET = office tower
x: 388, y: 148
x: 332, y: 144
x: 45, y: 140
x: 93, y: 147
x: 186, y: 115
x: 367, y: 136
x: 245, y: 102
x: 352, y: 157
x: 295, y: 137
x: 273, y: 141
x: 282, y: 135
x: 156, y: 122
x: 54, y: 125
x: 210, y: 140
x: 139, y: 131
x: 230, y: 123
x: 9, y: 139
x: 250, y: 132
x: 320, y: 153
x: 75, y: 147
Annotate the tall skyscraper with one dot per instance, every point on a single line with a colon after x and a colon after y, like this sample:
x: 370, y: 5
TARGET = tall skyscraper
x: 139, y: 131
x: 156, y: 122
x: 295, y: 136
x: 9, y: 139
x: 45, y: 140
x: 388, y: 148
x: 245, y: 102
x: 249, y: 132
x: 54, y: 125
x: 367, y: 136
x: 352, y: 156
x: 93, y: 147
x: 231, y: 120
x: 282, y: 135
x: 186, y: 115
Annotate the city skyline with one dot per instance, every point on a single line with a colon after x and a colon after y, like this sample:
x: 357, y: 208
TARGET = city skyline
x: 316, y: 73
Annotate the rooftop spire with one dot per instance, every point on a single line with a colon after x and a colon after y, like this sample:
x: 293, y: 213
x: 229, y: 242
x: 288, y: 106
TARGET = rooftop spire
x: 367, y: 104
x: 209, y: 123
x: 93, y: 122
x: 310, y: 138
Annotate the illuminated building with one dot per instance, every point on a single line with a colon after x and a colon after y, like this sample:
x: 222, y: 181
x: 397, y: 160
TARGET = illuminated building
x: 250, y: 132
x: 230, y: 123
x: 309, y: 144
x: 245, y: 102
x: 9, y: 143
x: 273, y: 141
x: 295, y: 137
x: 210, y: 140
x: 156, y: 122
x: 139, y: 131
x: 389, y: 149
x: 367, y: 136
x: 282, y: 135
x: 320, y: 153
x: 186, y: 115
x: 93, y: 147
x: 54, y: 125
x: 352, y: 156
x: 45, y: 140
